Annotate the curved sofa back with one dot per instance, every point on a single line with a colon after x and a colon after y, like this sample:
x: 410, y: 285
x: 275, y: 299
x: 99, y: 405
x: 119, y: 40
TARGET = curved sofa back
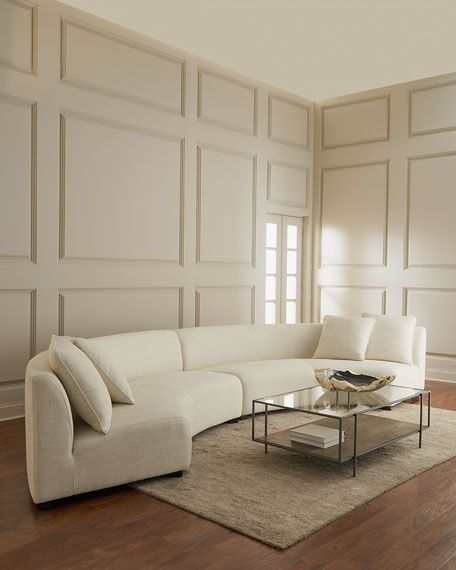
x: 203, y: 347
x: 142, y: 353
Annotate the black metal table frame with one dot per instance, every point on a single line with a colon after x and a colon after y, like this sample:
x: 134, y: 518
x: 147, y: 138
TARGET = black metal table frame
x: 419, y: 430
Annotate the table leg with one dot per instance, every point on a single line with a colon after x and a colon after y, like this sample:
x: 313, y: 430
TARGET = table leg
x: 340, y: 440
x: 421, y: 421
x: 253, y: 421
x: 265, y: 427
x: 429, y: 409
x: 355, y: 441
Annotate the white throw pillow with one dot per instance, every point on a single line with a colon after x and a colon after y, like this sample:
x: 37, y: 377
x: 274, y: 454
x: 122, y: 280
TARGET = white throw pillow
x: 391, y: 339
x: 115, y: 380
x: 345, y: 338
x: 83, y: 384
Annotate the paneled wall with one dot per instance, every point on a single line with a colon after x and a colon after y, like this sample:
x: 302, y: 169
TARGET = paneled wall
x: 385, y: 232
x: 135, y: 182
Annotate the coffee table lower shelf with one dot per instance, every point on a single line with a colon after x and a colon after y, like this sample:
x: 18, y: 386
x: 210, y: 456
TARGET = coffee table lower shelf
x: 373, y: 432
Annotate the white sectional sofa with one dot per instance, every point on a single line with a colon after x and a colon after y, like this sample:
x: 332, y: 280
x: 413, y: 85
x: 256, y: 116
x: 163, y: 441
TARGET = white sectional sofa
x: 183, y: 382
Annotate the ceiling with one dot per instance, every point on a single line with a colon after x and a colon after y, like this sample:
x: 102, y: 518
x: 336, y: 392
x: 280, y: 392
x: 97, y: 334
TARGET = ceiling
x: 316, y: 48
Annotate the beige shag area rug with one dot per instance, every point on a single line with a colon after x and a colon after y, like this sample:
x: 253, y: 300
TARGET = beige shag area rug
x: 280, y: 498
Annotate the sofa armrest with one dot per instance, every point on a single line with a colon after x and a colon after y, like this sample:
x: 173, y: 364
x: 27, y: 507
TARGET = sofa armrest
x: 49, y: 433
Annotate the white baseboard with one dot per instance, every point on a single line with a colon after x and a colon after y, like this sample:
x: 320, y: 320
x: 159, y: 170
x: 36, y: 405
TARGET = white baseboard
x: 441, y: 368
x: 440, y: 376
x: 11, y: 400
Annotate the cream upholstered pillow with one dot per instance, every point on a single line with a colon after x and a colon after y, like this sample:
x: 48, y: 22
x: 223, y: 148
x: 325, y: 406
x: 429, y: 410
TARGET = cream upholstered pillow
x: 344, y: 338
x: 114, y: 378
x: 83, y: 384
x: 391, y: 339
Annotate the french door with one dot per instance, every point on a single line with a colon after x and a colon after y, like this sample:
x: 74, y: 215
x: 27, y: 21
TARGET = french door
x: 283, y: 269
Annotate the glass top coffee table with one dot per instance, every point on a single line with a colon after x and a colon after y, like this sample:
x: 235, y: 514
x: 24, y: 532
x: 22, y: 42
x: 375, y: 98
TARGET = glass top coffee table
x: 349, y: 413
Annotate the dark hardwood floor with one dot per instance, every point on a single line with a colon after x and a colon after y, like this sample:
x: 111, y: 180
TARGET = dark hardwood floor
x: 411, y: 527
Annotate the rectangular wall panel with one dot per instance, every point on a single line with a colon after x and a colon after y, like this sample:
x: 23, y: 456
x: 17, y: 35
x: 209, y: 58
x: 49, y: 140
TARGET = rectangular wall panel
x: 230, y: 305
x: 354, y: 209
x: 288, y: 122
x: 355, y: 123
x: 287, y: 184
x: 226, y: 207
x: 115, y: 66
x: 96, y: 312
x: 121, y: 192
x: 227, y: 102
x: 435, y: 310
x: 433, y: 109
x: 431, y: 236
x: 18, y: 35
x: 351, y: 301
x: 18, y: 179
x: 17, y: 332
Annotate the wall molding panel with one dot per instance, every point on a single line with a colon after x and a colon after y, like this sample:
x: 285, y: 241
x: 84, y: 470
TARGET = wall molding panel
x: 82, y: 309
x: 226, y: 305
x: 240, y: 112
x: 217, y: 225
x: 65, y: 211
x: 341, y: 217
x: 413, y: 125
x: 434, y: 233
x: 19, y: 180
x: 18, y: 18
x: 168, y: 70
x: 435, y: 309
x: 358, y: 299
x: 288, y: 122
x: 17, y: 332
x: 287, y: 184
x: 432, y: 109
x: 360, y: 122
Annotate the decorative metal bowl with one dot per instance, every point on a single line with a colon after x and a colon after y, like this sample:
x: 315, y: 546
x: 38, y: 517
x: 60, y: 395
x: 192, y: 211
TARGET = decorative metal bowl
x: 348, y: 381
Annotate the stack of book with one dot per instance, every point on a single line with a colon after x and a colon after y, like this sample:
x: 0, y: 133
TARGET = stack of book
x: 316, y: 435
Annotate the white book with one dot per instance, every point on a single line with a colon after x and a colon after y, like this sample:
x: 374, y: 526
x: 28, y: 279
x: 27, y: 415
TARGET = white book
x: 316, y: 432
x: 322, y: 445
x: 299, y: 437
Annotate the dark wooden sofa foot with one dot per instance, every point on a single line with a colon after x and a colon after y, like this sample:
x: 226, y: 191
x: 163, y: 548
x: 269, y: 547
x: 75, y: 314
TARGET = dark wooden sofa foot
x: 46, y: 506
x: 233, y: 421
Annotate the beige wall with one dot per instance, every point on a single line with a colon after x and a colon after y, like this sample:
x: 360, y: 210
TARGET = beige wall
x: 385, y: 209
x: 134, y: 184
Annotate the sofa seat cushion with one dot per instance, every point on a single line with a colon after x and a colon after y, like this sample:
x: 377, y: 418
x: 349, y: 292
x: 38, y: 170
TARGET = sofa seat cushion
x: 150, y: 438
x: 409, y: 376
x: 263, y: 378
x: 213, y: 398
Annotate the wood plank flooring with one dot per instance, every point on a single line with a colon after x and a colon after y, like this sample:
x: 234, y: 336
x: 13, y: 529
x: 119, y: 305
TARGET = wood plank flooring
x: 411, y: 527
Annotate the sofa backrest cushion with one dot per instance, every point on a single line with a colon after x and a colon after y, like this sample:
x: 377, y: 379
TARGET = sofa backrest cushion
x: 138, y: 354
x: 344, y: 338
x: 391, y: 338
x: 203, y: 347
x: 113, y: 376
